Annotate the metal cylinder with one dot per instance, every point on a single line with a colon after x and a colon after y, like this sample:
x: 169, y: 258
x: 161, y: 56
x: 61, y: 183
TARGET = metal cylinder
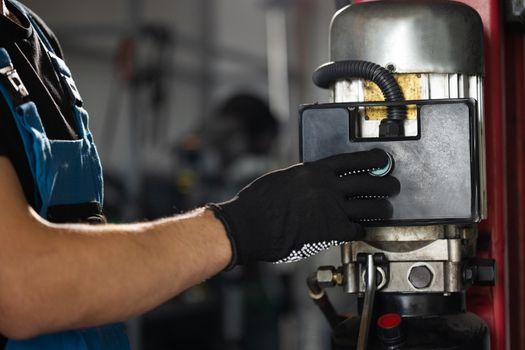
x: 434, y: 49
x: 408, y: 36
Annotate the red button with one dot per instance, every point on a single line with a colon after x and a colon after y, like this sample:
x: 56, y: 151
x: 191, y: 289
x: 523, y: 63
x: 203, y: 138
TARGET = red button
x: 388, y: 321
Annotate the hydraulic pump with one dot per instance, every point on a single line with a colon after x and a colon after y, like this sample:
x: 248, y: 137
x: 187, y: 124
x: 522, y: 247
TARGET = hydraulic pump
x: 407, y: 76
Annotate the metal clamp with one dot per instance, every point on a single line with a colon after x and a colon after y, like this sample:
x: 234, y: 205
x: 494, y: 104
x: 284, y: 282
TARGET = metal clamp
x: 14, y: 84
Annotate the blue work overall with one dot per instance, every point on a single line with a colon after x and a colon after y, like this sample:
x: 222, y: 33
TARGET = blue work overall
x: 68, y: 179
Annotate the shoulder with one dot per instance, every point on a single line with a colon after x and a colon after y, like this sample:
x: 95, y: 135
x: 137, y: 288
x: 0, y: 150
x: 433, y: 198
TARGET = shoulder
x: 47, y: 31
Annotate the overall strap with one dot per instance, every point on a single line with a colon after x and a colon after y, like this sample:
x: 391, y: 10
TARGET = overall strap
x: 25, y: 115
x: 67, y: 174
x: 49, y: 168
x: 58, y: 63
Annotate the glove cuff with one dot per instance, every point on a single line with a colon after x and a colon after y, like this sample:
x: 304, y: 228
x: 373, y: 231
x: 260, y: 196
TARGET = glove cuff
x: 222, y: 216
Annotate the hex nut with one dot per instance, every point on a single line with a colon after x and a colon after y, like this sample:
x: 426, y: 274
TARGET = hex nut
x: 326, y: 276
x: 390, y: 128
x: 420, y: 277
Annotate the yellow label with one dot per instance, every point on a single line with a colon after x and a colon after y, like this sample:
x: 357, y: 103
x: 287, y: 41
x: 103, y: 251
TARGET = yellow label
x: 410, y: 85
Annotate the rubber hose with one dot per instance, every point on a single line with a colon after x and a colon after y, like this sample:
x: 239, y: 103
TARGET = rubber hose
x: 329, y: 73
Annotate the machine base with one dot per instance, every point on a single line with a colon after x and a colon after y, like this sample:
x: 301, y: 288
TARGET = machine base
x: 423, y: 327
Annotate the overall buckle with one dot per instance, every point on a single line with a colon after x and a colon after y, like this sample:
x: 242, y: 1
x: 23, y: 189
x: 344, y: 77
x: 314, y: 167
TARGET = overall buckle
x: 66, y: 79
x: 74, y: 95
x: 16, y: 87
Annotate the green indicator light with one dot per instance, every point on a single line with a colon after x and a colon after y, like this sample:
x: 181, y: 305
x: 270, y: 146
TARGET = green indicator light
x: 384, y: 170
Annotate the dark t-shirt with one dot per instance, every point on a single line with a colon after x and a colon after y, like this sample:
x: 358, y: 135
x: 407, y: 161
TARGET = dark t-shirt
x: 36, y: 71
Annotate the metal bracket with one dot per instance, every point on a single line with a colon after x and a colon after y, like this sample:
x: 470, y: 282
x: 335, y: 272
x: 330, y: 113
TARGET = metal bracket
x: 15, y: 85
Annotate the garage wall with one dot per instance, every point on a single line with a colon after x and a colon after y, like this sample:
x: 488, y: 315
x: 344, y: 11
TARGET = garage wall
x: 220, y: 47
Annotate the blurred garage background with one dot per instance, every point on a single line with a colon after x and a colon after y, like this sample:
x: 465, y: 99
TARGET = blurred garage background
x: 190, y: 100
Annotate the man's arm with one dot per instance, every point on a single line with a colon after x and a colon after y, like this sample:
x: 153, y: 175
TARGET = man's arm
x: 55, y: 277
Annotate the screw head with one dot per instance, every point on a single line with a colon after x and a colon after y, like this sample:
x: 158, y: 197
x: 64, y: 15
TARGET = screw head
x: 420, y: 277
x: 390, y: 67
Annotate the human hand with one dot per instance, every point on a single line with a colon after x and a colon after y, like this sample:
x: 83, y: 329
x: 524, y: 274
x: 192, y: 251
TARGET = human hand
x: 294, y: 213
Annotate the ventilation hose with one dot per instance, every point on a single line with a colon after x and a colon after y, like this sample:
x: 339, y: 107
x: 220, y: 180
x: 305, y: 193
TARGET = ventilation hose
x: 329, y: 73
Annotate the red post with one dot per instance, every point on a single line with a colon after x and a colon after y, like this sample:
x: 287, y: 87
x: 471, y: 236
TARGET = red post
x: 492, y: 303
x: 515, y: 109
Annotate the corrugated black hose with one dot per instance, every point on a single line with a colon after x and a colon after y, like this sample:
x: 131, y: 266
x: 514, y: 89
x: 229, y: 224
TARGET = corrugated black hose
x: 329, y: 73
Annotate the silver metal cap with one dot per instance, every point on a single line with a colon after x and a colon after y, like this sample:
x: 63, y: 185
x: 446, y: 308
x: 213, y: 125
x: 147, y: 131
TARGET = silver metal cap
x: 413, y: 36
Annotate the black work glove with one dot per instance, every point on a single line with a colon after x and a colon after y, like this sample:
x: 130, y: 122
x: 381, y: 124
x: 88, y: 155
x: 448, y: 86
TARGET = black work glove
x: 291, y: 214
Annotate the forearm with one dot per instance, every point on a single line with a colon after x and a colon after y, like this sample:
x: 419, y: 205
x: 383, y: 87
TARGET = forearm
x: 75, y: 276
x: 56, y: 277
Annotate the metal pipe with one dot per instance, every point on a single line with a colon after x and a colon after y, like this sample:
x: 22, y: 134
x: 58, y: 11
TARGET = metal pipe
x: 366, y: 315
x: 320, y: 298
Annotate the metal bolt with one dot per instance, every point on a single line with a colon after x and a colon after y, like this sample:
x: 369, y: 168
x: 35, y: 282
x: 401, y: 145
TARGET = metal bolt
x: 420, y: 277
x: 480, y: 272
x: 486, y: 275
x: 328, y: 276
x: 468, y: 275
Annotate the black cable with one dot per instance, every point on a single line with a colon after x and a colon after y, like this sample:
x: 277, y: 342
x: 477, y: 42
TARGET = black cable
x: 329, y: 73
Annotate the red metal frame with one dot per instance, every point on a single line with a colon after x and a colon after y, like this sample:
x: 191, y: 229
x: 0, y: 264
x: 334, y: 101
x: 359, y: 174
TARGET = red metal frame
x: 515, y: 109
x: 491, y: 303
x: 502, y: 149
